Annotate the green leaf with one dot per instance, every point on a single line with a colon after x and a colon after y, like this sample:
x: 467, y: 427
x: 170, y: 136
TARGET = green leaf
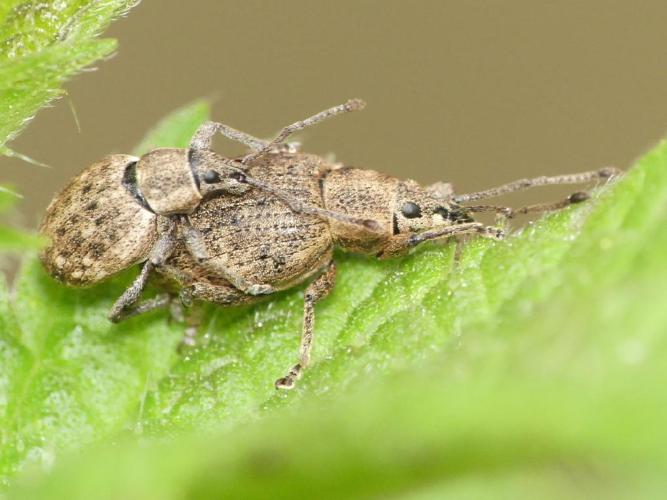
x: 536, y: 364
x: 42, y: 43
x: 14, y: 239
x: 177, y: 128
x: 75, y: 378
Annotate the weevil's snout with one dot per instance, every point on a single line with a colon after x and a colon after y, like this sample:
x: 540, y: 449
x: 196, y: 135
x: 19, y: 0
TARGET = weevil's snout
x: 419, y: 209
x: 453, y: 213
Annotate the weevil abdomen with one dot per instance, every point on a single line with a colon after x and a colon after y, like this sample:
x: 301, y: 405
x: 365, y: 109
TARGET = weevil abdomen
x: 96, y: 226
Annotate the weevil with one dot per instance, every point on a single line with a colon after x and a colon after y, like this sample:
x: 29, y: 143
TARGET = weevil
x: 121, y: 210
x: 279, y: 215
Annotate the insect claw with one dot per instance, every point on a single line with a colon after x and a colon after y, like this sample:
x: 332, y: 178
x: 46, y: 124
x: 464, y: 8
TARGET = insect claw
x: 288, y: 381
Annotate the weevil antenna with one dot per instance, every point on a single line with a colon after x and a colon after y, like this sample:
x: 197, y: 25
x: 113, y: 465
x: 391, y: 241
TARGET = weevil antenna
x: 299, y: 206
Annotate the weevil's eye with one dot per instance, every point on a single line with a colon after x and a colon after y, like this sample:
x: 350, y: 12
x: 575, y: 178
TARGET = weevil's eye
x: 211, y: 177
x: 411, y: 210
x: 442, y: 212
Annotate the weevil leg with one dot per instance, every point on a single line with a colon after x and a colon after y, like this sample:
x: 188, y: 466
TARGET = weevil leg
x: 159, y: 254
x: 351, y: 105
x: 130, y: 296
x: 196, y: 245
x: 401, y: 244
x: 158, y: 302
x: 465, y: 228
x: 299, y: 206
x: 216, y: 294
x: 522, y: 184
x: 204, y: 135
x: 315, y: 292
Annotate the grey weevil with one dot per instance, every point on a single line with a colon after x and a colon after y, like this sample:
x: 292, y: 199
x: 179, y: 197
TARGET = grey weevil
x: 239, y: 244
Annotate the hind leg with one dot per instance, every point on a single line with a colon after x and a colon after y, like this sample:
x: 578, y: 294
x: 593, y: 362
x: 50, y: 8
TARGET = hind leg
x: 315, y: 292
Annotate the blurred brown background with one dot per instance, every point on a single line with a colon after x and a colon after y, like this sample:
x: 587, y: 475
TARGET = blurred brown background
x: 477, y: 92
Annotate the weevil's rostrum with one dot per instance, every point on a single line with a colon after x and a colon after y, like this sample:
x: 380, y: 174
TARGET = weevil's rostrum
x: 231, y: 231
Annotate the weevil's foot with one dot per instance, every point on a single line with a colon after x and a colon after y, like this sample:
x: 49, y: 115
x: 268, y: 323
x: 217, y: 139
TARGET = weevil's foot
x: 260, y: 290
x: 289, y: 381
x: 355, y: 105
x: 495, y: 233
x: 609, y: 172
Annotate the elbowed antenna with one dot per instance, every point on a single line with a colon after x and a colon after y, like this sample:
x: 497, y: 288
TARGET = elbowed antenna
x: 296, y: 204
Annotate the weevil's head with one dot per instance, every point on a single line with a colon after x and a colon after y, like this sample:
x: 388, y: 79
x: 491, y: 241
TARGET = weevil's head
x: 420, y: 208
x: 215, y: 174
x: 174, y: 181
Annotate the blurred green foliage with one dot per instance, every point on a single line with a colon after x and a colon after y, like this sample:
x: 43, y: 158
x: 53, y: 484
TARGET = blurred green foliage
x: 42, y: 43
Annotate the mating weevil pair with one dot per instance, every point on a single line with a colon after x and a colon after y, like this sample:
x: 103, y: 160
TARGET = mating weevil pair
x: 230, y: 231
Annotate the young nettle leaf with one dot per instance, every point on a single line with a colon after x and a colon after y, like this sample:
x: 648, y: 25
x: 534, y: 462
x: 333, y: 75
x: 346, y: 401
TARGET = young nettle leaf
x: 534, y: 364
x: 176, y: 129
x: 87, y: 377
x: 43, y: 44
x: 12, y: 239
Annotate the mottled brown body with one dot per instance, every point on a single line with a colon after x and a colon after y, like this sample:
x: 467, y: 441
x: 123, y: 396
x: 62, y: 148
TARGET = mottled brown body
x: 106, y: 218
x: 96, y: 227
x: 232, y: 231
x: 259, y: 237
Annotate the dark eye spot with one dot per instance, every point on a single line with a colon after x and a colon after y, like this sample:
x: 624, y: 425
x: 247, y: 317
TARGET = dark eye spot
x: 411, y: 210
x: 211, y: 177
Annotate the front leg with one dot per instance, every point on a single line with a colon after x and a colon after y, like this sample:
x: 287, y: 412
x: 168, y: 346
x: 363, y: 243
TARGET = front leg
x: 126, y: 305
x: 204, y: 135
x: 316, y: 291
x: 401, y: 244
